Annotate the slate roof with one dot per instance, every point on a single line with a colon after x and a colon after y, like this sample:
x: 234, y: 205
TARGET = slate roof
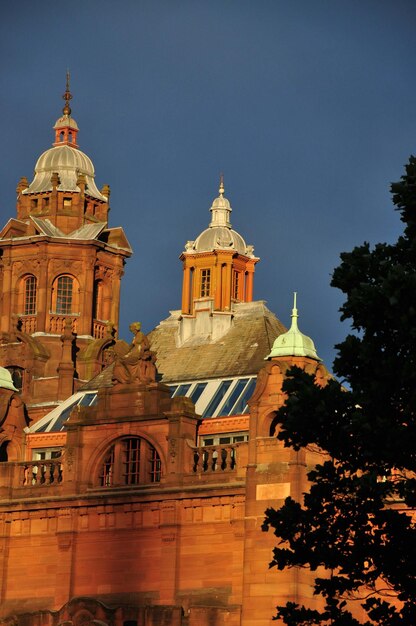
x: 240, y: 352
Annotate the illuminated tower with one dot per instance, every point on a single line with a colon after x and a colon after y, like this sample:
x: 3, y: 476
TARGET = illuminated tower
x: 60, y: 273
x: 218, y: 270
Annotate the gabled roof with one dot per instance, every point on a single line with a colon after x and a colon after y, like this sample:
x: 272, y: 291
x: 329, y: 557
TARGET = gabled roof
x: 13, y: 228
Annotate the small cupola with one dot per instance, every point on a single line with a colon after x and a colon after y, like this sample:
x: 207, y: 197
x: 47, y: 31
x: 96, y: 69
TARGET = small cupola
x: 66, y: 128
x: 293, y: 342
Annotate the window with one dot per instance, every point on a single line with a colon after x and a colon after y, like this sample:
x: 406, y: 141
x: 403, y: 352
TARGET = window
x: 219, y: 395
x: 45, y: 454
x: 205, y: 283
x: 30, y: 288
x: 98, y: 300
x: 67, y: 203
x: 64, y: 289
x: 236, y: 285
x: 130, y: 461
x: 224, y: 439
x: 34, y: 203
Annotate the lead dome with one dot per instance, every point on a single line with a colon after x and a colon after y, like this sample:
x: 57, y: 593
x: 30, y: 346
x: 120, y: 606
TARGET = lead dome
x: 68, y: 163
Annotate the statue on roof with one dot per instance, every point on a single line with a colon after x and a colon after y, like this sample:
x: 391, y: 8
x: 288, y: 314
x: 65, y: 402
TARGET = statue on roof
x: 137, y: 364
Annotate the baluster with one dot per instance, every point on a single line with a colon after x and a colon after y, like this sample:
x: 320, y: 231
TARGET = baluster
x: 51, y: 473
x: 223, y: 458
x: 35, y: 470
x: 214, y: 460
x: 196, y: 461
x: 233, y: 458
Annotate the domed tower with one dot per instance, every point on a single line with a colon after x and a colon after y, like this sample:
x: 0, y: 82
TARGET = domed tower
x: 218, y: 269
x: 60, y: 272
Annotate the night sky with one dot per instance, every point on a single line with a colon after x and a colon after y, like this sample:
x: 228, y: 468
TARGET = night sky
x: 308, y: 107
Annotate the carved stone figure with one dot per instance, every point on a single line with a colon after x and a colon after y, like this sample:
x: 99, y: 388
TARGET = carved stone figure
x: 138, y: 363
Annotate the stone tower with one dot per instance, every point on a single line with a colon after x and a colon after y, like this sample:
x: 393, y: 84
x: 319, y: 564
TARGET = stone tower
x: 218, y: 270
x: 60, y: 272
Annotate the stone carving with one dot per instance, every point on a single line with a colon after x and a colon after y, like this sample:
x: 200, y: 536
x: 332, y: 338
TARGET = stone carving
x: 138, y: 363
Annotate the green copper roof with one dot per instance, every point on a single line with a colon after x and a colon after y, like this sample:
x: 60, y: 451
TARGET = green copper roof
x: 293, y: 343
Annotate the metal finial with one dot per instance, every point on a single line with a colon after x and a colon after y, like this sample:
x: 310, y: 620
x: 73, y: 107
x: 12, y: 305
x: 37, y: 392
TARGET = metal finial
x: 221, y: 189
x: 294, y: 312
x: 67, y: 96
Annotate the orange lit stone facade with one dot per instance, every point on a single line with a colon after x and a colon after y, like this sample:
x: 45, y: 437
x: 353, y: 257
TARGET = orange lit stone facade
x: 176, y: 542
x: 222, y: 276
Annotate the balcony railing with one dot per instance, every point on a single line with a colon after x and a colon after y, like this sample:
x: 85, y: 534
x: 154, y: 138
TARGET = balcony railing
x: 38, y: 473
x: 28, y: 323
x: 215, y: 459
x: 99, y: 329
x: 57, y: 323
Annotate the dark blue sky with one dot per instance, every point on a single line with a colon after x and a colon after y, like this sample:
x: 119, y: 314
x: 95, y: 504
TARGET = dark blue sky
x: 308, y: 107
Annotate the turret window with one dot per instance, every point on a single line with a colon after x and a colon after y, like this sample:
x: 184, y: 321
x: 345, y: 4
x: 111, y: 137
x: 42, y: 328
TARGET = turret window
x: 130, y: 461
x: 236, y: 285
x: 30, y: 293
x: 205, y: 283
x: 64, y: 295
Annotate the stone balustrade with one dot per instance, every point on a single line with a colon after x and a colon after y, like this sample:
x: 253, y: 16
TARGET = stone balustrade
x: 210, y: 459
x: 40, y: 473
x: 99, y: 329
x: 57, y: 323
x: 28, y: 323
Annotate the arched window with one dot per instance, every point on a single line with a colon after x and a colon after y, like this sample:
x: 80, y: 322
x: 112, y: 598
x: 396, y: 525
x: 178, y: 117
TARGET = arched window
x: 30, y: 294
x: 130, y: 461
x: 61, y: 135
x: 65, y: 295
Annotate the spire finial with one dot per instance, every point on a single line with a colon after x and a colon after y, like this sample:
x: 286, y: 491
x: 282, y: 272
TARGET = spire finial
x: 221, y: 189
x: 294, y: 312
x: 67, y: 96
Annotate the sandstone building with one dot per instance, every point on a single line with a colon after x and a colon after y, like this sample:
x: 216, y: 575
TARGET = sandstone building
x: 134, y: 478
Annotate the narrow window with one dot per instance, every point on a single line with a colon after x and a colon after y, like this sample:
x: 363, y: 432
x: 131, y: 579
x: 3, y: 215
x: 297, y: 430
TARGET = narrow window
x: 155, y: 466
x: 131, y: 461
x: 236, y: 285
x: 205, y: 283
x: 64, y: 295
x: 97, y: 300
x: 30, y: 295
x: 107, y: 472
x: 61, y: 135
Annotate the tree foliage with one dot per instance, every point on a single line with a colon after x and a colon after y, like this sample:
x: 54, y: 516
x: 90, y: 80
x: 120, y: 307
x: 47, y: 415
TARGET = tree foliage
x: 356, y: 520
